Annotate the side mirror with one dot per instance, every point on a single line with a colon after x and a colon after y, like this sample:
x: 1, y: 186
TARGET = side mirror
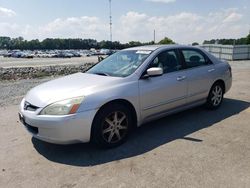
x: 154, y: 71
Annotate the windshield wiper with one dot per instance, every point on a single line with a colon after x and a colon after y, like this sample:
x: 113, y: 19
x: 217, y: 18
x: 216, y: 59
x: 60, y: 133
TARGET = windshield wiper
x: 101, y: 73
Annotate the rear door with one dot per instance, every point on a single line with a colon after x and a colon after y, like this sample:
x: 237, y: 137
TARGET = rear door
x: 199, y: 74
x: 165, y: 92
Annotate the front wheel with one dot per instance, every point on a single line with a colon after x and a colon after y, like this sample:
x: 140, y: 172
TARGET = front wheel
x: 111, y: 126
x: 215, y: 96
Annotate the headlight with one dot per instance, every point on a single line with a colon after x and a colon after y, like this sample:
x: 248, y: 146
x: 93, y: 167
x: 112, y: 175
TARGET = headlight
x: 65, y: 107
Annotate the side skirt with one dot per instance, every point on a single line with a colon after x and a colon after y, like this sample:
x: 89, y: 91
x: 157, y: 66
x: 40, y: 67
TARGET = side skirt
x: 172, y: 111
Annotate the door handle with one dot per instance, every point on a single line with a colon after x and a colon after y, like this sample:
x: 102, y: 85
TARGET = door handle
x: 211, y: 70
x: 180, y: 78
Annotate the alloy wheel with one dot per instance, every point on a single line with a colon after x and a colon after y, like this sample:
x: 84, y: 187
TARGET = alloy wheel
x: 115, y: 127
x: 217, y: 95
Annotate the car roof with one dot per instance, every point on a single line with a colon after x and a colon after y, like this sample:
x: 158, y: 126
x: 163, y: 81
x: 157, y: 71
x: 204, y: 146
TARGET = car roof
x: 155, y: 47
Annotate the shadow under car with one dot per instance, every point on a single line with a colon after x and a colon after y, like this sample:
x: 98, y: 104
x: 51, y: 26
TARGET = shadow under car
x: 144, y: 138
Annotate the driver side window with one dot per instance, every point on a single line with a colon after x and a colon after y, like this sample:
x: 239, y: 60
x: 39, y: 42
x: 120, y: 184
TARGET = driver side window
x: 167, y: 60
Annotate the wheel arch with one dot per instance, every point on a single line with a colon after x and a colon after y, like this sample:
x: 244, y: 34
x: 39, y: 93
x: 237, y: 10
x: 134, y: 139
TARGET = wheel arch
x: 125, y: 102
x: 221, y: 82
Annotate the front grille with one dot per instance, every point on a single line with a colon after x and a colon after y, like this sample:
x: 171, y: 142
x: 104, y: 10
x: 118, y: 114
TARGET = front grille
x: 29, y: 107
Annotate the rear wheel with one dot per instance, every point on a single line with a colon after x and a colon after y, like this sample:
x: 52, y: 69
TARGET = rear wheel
x: 111, y: 126
x: 215, y: 96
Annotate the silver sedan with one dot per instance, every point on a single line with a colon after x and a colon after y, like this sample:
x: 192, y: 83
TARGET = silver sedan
x: 125, y: 90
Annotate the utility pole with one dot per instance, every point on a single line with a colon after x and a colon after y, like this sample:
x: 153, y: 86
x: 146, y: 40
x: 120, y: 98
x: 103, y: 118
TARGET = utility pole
x: 110, y: 20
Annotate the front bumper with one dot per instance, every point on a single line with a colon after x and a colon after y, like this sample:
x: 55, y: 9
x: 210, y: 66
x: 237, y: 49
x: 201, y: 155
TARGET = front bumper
x: 65, y: 129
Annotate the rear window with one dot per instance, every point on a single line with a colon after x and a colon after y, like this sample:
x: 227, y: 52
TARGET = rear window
x: 194, y: 58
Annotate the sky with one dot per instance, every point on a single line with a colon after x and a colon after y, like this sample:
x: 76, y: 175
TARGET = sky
x: 184, y: 21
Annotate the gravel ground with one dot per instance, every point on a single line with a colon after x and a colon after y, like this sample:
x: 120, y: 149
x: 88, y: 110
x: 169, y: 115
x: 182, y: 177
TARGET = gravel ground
x: 11, y: 92
x: 195, y: 148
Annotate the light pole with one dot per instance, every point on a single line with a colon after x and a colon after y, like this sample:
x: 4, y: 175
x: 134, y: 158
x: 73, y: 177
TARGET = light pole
x: 154, y: 36
x: 110, y: 20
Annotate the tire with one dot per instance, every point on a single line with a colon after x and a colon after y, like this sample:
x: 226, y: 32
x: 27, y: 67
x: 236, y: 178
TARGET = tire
x: 111, y: 126
x: 215, y: 96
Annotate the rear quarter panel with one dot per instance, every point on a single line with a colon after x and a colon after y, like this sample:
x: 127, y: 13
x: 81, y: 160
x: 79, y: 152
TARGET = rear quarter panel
x: 223, y: 73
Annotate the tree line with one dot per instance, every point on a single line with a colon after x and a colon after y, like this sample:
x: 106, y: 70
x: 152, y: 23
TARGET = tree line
x: 77, y: 43
x: 240, y: 41
x: 63, y: 44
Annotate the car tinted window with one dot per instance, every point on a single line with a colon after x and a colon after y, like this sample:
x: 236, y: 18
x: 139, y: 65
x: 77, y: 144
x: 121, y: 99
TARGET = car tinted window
x: 194, y: 58
x: 167, y: 60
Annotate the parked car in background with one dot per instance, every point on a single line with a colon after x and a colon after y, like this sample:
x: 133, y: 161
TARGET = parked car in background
x: 3, y: 52
x: 17, y: 54
x: 125, y: 90
x: 43, y: 53
x: 7, y: 54
x: 105, y: 52
x: 90, y: 54
x: 75, y: 53
x: 27, y: 54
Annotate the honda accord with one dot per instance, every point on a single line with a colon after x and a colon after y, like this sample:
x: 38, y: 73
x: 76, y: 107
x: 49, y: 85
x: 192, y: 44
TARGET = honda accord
x: 125, y: 90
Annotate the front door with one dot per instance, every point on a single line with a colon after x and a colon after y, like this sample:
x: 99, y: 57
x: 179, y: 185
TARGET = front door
x: 162, y: 93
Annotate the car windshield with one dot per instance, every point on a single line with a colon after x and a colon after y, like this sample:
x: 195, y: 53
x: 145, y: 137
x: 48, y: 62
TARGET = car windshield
x: 120, y: 64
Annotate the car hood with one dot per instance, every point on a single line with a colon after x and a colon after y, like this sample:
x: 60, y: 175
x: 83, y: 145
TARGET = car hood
x: 75, y: 85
